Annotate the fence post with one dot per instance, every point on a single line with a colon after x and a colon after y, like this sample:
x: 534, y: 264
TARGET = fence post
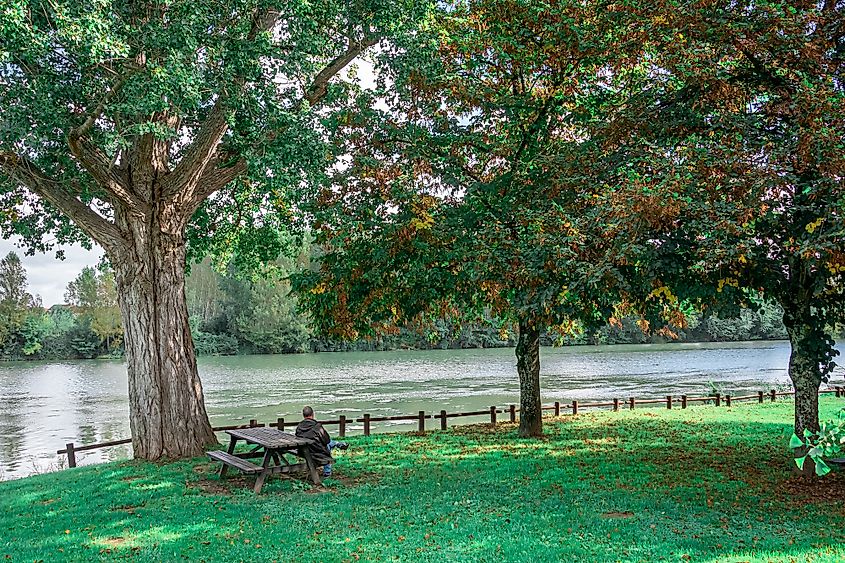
x: 615, y: 404
x: 557, y: 408
x: 253, y: 423
x: 759, y: 396
x: 669, y: 402
x: 727, y: 400
x: 631, y: 401
x: 492, y: 415
x: 513, y: 413
x: 422, y: 421
x: 837, y: 391
x: 442, y: 420
x: 683, y: 401
x: 366, y: 425
x: 718, y: 399
x: 280, y: 424
x: 773, y: 395
x: 341, y: 430
x: 71, y: 455
x: 574, y: 407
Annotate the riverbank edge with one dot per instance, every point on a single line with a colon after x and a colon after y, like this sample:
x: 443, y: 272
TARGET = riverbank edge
x: 701, y: 484
x: 504, y: 345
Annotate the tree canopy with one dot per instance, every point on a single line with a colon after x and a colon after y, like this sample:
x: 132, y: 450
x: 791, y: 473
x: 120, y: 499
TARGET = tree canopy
x: 128, y: 122
x: 736, y: 134
x: 472, y: 188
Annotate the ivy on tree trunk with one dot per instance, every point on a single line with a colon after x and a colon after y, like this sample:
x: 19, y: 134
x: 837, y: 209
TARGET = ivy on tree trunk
x: 528, y: 367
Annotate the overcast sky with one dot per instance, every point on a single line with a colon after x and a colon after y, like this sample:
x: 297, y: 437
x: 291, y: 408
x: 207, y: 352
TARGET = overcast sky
x: 48, y: 276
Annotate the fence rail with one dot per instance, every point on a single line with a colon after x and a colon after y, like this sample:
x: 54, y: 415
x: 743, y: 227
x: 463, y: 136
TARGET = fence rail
x: 573, y: 408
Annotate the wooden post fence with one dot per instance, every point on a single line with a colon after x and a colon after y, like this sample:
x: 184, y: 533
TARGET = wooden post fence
x: 71, y: 449
x: 71, y: 455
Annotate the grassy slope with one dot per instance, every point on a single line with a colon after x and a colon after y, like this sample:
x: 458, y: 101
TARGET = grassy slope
x: 704, y: 484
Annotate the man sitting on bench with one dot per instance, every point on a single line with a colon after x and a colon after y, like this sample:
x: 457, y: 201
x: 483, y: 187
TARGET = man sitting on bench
x: 322, y: 444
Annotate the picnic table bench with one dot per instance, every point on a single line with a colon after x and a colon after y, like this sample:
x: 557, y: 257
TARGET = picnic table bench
x: 271, y: 445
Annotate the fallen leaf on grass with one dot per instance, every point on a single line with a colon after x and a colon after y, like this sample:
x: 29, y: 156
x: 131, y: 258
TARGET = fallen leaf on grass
x: 623, y: 514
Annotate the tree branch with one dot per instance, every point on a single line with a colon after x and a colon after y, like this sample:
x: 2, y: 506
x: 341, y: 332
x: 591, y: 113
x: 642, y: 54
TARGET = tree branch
x: 100, y: 168
x: 26, y: 173
x: 95, y: 161
x: 98, y: 111
x: 319, y: 86
x: 213, y: 179
x: 187, y: 174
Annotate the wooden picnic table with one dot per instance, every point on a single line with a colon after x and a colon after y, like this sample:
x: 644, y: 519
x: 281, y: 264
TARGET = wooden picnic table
x: 271, y: 445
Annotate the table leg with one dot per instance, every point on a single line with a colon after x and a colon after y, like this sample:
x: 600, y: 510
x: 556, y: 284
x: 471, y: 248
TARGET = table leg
x: 305, y: 452
x: 231, y: 449
x: 259, y: 481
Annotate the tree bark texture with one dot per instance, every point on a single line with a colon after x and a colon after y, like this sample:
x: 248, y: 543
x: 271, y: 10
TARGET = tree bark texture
x: 806, y: 378
x: 167, y: 413
x: 528, y: 367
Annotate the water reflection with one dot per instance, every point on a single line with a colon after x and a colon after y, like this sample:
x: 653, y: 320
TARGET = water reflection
x: 43, y: 406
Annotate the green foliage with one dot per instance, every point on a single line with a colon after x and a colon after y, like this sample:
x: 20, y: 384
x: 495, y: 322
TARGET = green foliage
x: 83, y: 341
x: 94, y: 296
x: 209, y: 344
x: 37, y: 326
x: 635, y: 486
x: 468, y: 195
x: 827, y: 443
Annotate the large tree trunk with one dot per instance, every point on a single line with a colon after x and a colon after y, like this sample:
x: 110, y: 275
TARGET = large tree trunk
x: 528, y: 367
x: 167, y: 412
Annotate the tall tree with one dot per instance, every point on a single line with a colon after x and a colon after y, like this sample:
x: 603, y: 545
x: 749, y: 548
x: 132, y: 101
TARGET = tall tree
x: 15, y: 299
x: 734, y: 139
x: 122, y: 121
x: 471, y: 190
x: 95, y: 298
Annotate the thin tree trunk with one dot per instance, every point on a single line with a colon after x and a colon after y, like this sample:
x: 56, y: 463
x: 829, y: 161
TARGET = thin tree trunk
x: 528, y: 367
x: 166, y: 408
x: 804, y: 371
x: 806, y: 378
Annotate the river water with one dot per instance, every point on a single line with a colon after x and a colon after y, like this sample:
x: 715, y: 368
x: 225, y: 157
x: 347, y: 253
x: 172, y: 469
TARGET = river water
x: 45, y: 405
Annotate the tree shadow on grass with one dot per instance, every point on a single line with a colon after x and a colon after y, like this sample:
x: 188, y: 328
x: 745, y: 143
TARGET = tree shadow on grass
x: 596, y: 488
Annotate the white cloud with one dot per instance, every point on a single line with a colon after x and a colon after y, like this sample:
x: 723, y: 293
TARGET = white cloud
x: 48, y: 277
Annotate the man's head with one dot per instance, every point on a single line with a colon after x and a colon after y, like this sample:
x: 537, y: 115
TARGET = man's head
x: 307, y: 412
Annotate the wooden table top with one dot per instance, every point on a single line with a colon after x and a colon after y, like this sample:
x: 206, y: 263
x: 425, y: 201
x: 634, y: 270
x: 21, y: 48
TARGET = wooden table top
x: 269, y: 437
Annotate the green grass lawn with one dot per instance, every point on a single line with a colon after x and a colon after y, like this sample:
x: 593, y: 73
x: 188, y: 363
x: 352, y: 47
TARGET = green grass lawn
x: 702, y: 484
